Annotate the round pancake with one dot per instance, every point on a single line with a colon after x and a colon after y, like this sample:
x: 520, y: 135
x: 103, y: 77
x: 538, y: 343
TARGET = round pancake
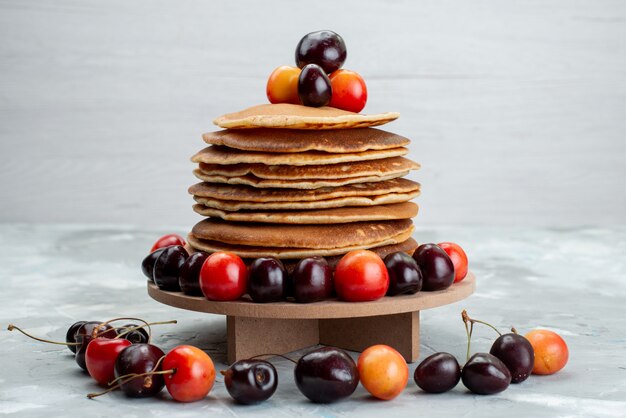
x: 381, y: 167
x: 252, y: 181
x: 223, y: 155
x: 252, y: 194
x: 245, y: 251
x: 292, y: 116
x: 233, y: 205
x: 322, y: 216
x: 288, y: 140
x: 300, y: 236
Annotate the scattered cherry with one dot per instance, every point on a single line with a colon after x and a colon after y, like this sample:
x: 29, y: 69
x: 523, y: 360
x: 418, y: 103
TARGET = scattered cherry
x: 167, y: 267
x: 267, y: 280
x: 516, y: 353
x: 167, y: 241
x: 383, y: 371
x: 551, y: 352
x: 312, y: 280
x: 135, y: 336
x: 437, y: 268
x: 189, y: 274
x: 326, y: 375
x: 100, y: 358
x: 314, y: 87
x: 86, y: 333
x: 438, y: 373
x: 193, y: 373
x: 324, y: 48
x: 485, y: 374
x: 69, y: 336
x: 139, y: 359
x: 251, y: 381
x: 404, y: 274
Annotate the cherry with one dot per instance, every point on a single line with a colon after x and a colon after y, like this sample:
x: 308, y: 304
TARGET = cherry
x: 86, y: 333
x: 69, y: 336
x: 135, y: 336
x: 147, y: 265
x: 458, y: 258
x: 516, y: 353
x: 551, y: 352
x: 437, y: 268
x: 100, y: 358
x: 193, y: 373
x: 312, y: 280
x: 485, y: 374
x: 267, y: 280
x: 361, y: 276
x: 167, y: 241
x: 140, y: 359
x: 314, y: 87
x: 251, y: 381
x: 326, y: 375
x: 349, y: 91
x: 404, y: 274
x: 189, y: 274
x: 282, y: 85
x: 438, y: 373
x: 167, y: 267
x: 223, y: 276
x: 324, y: 48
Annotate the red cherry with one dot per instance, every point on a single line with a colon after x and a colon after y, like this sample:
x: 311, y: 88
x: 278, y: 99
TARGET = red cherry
x: 349, y: 91
x: 458, y: 257
x: 361, y: 275
x: 223, y: 276
x: 100, y: 358
x: 167, y: 241
x: 193, y: 376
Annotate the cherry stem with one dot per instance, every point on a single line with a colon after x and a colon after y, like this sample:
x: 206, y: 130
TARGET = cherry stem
x: 12, y: 327
x: 466, y: 317
x: 514, y: 331
x: 131, y: 329
x: 273, y: 355
x: 104, y: 324
x: 469, y: 330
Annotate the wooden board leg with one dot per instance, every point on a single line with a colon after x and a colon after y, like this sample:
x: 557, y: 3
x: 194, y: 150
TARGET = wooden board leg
x: 248, y: 337
x: 400, y: 331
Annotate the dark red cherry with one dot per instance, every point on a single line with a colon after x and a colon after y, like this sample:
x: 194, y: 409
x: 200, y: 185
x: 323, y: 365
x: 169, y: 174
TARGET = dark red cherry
x: 326, y: 375
x: 189, y: 274
x: 138, y: 359
x: 87, y: 332
x: 312, y: 280
x: 267, y: 280
x: 438, y: 373
x: 251, y: 381
x: 314, y: 87
x: 485, y: 374
x: 147, y: 265
x: 167, y: 267
x: 516, y: 353
x: 404, y: 274
x: 136, y: 336
x: 71, y: 332
x: 324, y: 48
x: 436, y: 266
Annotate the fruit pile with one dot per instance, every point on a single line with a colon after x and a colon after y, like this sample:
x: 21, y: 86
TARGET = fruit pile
x: 360, y: 275
x: 318, y: 79
x: 124, y: 358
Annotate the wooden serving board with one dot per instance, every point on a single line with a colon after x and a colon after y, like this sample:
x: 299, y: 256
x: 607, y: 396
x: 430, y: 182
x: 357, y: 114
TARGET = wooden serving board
x: 282, y: 327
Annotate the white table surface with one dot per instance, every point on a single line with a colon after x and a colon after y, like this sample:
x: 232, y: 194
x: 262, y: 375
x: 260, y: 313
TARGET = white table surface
x: 568, y: 280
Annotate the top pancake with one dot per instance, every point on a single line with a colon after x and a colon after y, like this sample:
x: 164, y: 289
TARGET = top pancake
x: 292, y: 116
x: 288, y: 140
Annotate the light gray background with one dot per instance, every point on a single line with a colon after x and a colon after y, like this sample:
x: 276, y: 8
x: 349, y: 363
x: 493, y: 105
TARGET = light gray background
x: 517, y: 109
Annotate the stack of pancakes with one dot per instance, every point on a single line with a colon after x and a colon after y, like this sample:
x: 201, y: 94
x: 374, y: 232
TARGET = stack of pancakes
x: 290, y: 182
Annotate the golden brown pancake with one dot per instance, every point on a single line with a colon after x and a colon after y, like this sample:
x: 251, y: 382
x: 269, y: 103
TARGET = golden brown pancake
x: 289, y: 140
x: 252, y: 194
x: 292, y: 116
x: 322, y: 216
x: 379, y: 168
x: 300, y: 236
x: 223, y: 155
